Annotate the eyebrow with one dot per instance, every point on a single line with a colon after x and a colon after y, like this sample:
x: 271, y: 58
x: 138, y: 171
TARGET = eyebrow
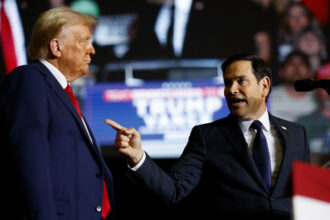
x: 86, y: 36
x: 239, y: 76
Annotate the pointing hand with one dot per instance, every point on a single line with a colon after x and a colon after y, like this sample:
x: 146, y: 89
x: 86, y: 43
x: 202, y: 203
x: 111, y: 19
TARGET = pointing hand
x: 128, y: 142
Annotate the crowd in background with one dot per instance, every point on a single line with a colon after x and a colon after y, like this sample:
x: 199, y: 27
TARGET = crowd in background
x: 291, y: 36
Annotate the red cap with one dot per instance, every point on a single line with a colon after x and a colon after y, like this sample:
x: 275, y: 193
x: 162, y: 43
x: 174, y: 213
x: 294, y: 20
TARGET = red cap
x: 323, y: 72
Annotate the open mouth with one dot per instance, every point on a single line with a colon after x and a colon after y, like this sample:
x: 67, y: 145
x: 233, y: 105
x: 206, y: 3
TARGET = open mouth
x: 235, y: 101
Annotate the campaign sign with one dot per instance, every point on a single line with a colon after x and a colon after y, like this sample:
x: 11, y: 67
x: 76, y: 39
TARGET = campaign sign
x: 163, y: 112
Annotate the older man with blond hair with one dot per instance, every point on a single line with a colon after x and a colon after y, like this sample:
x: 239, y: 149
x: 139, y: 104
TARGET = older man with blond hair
x: 53, y: 168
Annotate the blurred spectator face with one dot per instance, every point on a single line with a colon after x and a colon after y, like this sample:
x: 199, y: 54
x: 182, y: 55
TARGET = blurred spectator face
x: 295, y: 69
x: 263, y: 44
x: 310, y: 44
x: 265, y: 3
x: 297, y: 18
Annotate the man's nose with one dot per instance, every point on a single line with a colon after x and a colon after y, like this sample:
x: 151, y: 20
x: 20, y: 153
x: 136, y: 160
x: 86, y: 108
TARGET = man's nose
x: 232, y: 88
x: 91, y: 49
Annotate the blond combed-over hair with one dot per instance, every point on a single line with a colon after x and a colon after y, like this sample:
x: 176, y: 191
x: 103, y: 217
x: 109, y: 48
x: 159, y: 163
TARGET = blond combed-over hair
x: 49, y: 25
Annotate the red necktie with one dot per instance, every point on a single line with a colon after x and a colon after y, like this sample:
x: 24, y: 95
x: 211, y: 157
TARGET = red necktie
x: 69, y: 91
x: 7, y: 40
x: 105, y: 203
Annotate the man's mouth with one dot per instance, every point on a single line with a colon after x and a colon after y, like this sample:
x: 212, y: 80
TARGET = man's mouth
x: 234, y: 101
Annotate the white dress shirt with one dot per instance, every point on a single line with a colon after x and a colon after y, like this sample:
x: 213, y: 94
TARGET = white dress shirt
x: 274, y: 144
x: 181, y: 17
x: 63, y: 82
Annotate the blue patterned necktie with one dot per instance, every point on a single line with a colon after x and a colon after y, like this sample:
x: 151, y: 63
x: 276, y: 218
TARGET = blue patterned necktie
x: 261, y: 154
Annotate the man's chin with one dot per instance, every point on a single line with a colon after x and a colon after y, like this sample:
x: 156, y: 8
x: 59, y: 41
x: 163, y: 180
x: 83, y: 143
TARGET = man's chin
x: 73, y: 78
x: 237, y: 113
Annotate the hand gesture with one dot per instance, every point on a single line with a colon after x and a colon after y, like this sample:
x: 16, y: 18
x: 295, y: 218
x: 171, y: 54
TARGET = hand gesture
x: 128, y: 142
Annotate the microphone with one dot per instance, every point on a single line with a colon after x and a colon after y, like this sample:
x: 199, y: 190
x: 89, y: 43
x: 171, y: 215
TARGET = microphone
x: 305, y: 85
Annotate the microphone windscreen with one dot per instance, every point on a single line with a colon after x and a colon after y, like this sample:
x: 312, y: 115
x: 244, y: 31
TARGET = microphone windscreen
x: 304, y: 85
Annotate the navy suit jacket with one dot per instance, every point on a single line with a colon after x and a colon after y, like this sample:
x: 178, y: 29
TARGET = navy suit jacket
x: 51, y: 168
x: 217, y: 160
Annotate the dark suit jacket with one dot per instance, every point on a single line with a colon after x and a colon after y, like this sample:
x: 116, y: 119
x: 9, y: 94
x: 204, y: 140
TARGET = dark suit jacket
x: 218, y: 160
x: 145, y: 44
x: 51, y: 170
x: 215, y: 29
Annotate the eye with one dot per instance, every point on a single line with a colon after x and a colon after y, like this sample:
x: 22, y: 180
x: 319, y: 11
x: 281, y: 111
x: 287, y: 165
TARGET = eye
x: 242, y: 81
x: 227, y: 82
x: 84, y: 40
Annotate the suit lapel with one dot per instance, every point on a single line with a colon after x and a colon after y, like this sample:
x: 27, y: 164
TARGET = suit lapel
x: 61, y: 94
x: 282, y: 133
x: 107, y: 173
x: 91, y: 135
x: 236, y: 139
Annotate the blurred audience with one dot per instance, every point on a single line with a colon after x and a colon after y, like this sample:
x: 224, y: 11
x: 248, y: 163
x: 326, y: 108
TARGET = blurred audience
x: 311, y: 41
x: 317, y: 123
x: 266, y: 38
x: 264, y: 41
x: 285, y: 101
x: 270, y: 16
x: 296, y: 17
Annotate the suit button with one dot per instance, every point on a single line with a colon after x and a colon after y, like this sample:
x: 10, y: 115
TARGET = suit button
x: 271, y: 198
x: 98, y: 208
x: 99, y: 175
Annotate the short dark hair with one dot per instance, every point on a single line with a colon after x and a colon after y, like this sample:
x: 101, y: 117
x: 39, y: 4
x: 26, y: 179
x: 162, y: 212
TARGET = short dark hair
x: 296, y: 53
x: 260, y: 68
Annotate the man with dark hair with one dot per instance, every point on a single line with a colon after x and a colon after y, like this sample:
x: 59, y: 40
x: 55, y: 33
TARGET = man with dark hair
x: 241, y: 163
x: 259, y: 67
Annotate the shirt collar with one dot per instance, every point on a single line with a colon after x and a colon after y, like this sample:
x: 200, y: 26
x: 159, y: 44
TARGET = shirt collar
x: 56, y: 73
x: 264, y: 119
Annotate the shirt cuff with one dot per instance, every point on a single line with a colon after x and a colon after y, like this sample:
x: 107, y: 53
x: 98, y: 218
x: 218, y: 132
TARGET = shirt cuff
x: 139, y: 164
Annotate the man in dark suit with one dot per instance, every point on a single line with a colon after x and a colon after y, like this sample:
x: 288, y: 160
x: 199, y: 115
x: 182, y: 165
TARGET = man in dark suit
x: 242, y: 163
x: 52, y: 167
x: 200, y: 29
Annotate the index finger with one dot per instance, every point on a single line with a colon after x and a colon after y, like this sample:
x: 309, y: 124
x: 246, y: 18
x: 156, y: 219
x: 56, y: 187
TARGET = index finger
x: 114, y: 125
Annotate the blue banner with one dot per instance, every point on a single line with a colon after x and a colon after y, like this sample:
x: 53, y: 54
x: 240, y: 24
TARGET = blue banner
x: 163, y: 112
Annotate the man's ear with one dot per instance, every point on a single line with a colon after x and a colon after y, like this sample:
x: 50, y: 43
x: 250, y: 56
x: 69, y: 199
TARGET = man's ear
x: 56, y: 47
x: 265, y: 85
